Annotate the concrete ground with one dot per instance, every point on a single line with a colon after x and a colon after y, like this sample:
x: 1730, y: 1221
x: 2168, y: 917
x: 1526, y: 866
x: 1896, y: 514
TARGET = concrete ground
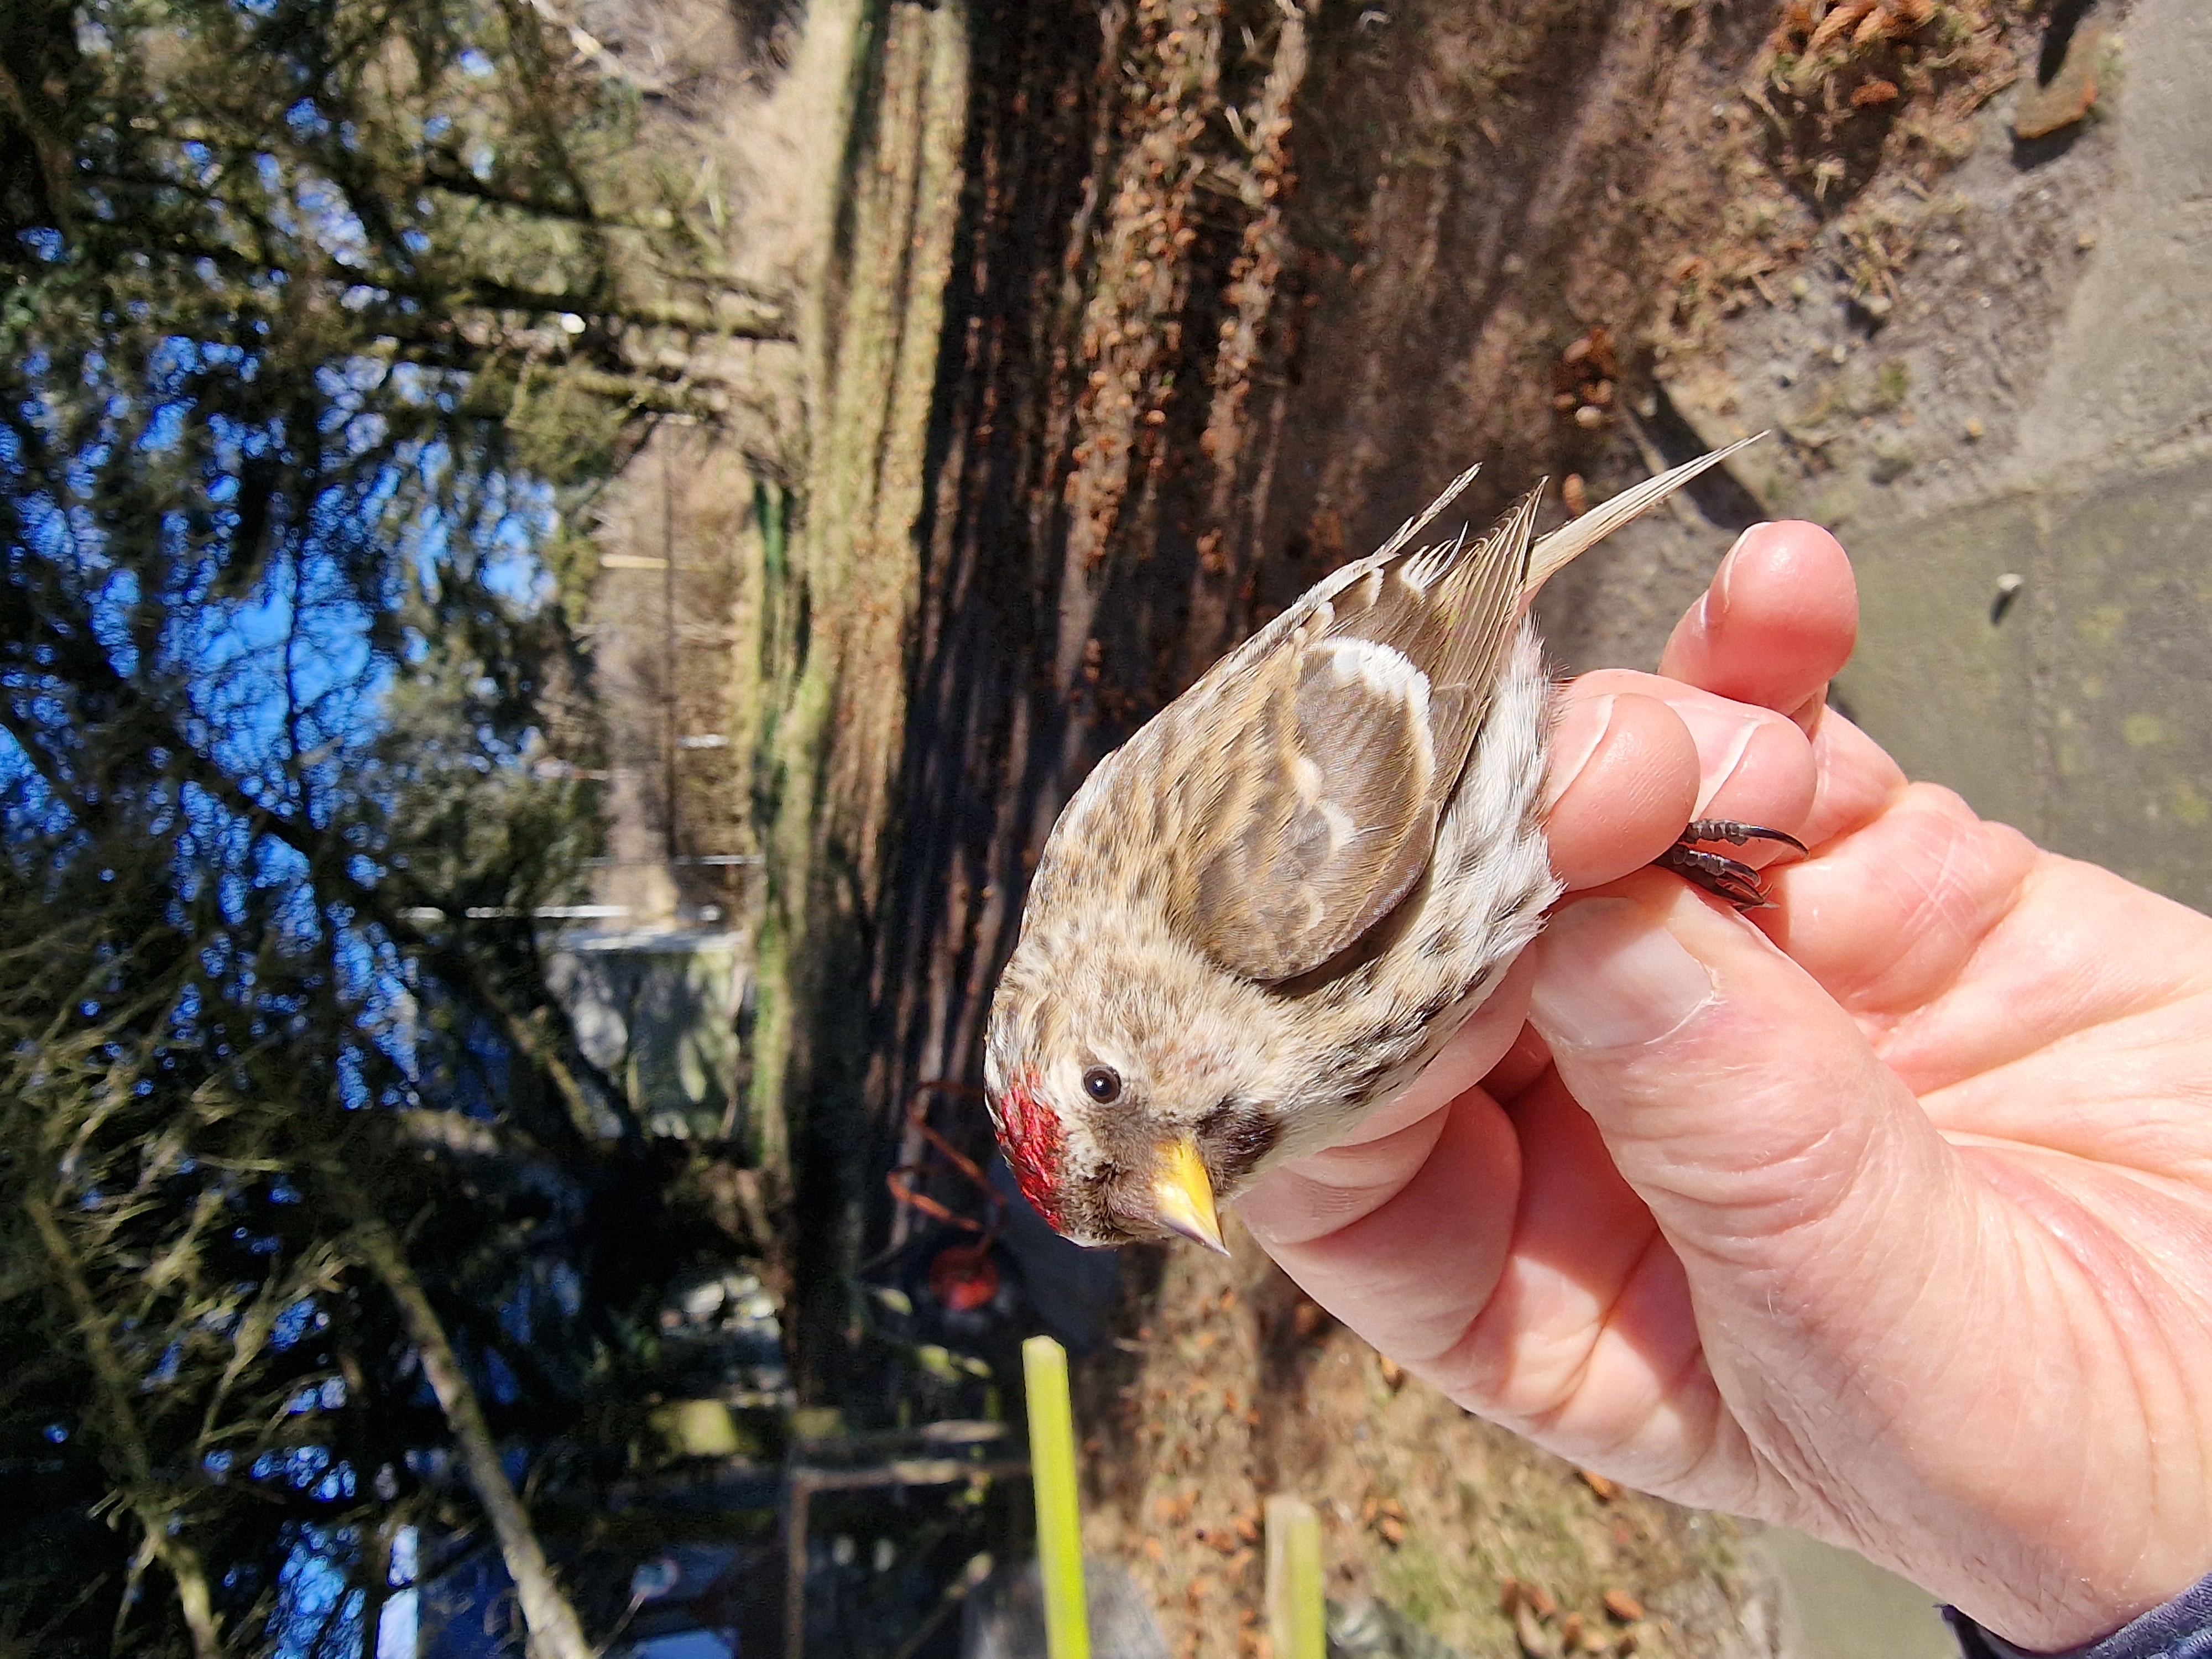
x: 2082, y: 711
x: 2020, y: 459
x: 1831, y: 1604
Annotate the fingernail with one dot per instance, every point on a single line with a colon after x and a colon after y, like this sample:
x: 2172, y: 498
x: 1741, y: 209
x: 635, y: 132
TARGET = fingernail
x: 1611, y: 977
x: 1721, y: 737
x: 1581, y: 729
x: 1727, y: 572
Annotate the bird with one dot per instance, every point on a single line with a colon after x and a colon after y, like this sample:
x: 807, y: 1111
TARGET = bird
x: 1259, y: 918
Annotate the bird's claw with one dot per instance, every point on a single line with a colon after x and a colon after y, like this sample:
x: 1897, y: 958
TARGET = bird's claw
x: 1728, y: 829
x: 1718, y: 874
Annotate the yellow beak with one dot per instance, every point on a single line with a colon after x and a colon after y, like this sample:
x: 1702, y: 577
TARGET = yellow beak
x: 1183, y: 1195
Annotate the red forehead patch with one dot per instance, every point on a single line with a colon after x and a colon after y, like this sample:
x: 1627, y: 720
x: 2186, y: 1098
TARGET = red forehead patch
x: 1030, y: 1131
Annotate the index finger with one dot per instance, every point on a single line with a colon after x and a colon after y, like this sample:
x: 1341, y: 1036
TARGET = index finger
x: 1779, y: 619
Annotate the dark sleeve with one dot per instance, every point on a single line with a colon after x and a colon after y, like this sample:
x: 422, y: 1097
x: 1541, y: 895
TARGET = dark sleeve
x: 2182, y: 1629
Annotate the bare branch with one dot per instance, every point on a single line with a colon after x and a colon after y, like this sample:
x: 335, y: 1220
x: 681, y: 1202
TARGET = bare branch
x: 555, y: 1630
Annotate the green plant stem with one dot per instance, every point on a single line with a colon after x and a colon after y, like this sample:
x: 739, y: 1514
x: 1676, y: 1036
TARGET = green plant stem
x: 1058, y: 1524
x: 1296, y: 1619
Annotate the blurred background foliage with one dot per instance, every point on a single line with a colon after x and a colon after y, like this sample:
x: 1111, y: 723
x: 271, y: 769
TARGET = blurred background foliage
x: 316, y: 320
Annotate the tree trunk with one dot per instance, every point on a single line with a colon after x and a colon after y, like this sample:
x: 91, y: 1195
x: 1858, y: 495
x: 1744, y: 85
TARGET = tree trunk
x: 555, y: 1632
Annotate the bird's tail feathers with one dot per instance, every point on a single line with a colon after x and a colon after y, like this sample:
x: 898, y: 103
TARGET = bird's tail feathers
x: 1421, y: 520
x: 1577, y: 537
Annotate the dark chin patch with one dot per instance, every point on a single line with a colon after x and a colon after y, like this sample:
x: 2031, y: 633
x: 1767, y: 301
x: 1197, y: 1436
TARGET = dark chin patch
x: 1236, y: 1139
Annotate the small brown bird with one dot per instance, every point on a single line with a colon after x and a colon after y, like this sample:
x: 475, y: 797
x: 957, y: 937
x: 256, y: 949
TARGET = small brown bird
x: 1261, y: 916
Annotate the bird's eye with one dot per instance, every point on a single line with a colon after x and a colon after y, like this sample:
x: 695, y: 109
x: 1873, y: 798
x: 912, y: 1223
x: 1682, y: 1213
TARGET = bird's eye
x: 1102, y: 1083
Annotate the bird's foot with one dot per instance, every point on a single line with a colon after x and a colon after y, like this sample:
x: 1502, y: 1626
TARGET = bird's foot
x: 1727, y: 877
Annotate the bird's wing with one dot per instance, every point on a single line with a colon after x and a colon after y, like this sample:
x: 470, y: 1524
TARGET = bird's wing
x: 1327, y: 763
x: 1304, y: 775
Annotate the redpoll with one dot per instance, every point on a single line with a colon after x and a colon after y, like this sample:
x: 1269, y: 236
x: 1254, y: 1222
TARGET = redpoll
x: 1261, y: 916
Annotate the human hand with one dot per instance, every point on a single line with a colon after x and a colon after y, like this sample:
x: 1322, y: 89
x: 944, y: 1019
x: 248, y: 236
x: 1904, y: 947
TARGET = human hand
x: 1886, y: 1213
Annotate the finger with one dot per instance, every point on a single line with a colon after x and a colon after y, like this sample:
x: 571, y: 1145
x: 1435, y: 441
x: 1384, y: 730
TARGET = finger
x: 1430, y: 1175
x: 1779, y: 619
x: 1409, y: 1273
x: 1623, y: 781
x: 1789, y: 1171
x: 1854, y: 780
x: 1519, y: 1068
x: 1753, y: 765
x: 1884, y: 918
x: 1589, y: 1341
x: 1757, y: 767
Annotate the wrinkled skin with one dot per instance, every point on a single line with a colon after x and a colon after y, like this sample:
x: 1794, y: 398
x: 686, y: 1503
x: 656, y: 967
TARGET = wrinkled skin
x: 1886, y: 1213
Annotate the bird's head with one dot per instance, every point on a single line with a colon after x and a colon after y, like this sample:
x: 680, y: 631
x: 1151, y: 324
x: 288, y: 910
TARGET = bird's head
x: 1128, y: 1080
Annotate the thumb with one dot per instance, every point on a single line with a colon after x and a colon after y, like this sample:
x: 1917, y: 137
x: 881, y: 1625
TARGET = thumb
x: 1914, y: 1342
x: 1804, y: 1189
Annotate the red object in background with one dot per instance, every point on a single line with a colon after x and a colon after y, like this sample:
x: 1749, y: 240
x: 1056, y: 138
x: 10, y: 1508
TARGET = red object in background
x: 962, y: 1277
